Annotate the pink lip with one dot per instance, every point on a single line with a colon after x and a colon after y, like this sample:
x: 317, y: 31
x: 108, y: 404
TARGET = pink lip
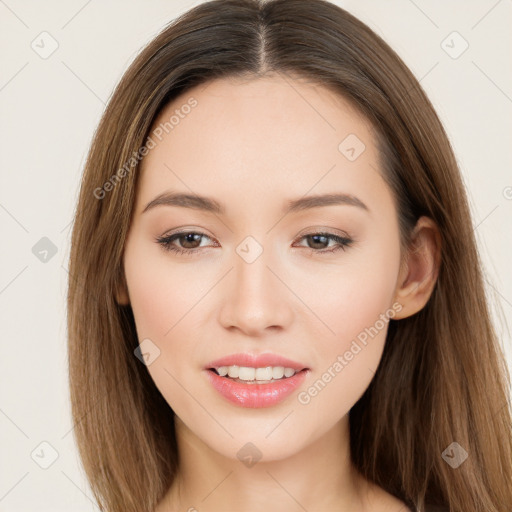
x: 255, y: 395
x: 255, y: 361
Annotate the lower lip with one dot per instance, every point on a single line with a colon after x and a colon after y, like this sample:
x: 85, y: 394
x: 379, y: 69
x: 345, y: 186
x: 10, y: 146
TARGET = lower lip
x: 256, y: 395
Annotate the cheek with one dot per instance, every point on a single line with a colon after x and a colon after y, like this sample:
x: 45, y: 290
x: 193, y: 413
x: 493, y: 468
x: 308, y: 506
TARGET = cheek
x: 348, y: 360
x: 161, y: 293
x: 356, y: 306
x: 168, y: 301
x: 163, y: 297
x: 350, y: 297
x: 359, y: 300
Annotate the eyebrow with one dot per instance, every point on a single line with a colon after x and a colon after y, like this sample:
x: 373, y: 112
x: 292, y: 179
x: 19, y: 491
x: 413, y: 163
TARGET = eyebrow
x: 207, y: 204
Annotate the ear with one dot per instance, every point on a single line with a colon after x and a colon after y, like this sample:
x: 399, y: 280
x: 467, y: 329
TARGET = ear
x: 420, y: 269
x: 121, y: 293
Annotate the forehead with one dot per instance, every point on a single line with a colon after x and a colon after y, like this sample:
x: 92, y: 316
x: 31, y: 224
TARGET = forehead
x: 256, y: 138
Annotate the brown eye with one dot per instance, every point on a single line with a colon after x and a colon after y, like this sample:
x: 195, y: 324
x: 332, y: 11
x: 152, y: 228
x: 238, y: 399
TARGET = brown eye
x: 189, y: 242
x: 318, y: 242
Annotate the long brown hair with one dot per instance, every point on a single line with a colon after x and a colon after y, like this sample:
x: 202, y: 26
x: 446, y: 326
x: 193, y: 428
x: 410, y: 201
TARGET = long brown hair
x: 442, y: 377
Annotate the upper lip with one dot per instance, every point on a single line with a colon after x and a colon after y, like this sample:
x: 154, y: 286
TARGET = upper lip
x: 255, y: 361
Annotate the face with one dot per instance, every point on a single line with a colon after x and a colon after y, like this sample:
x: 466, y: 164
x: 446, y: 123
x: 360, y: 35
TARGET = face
x: 313, y: 282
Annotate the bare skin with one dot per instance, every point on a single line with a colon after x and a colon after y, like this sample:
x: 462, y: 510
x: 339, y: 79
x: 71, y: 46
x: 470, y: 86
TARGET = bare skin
x: 253, y: 145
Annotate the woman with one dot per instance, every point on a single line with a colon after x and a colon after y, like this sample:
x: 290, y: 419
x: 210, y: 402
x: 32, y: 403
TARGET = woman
x: 275, y: 296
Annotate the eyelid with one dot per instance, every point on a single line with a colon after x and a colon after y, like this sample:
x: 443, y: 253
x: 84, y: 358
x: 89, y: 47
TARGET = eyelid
x: 312, y: 230
x: 186, y: 230
x: 342, y: 240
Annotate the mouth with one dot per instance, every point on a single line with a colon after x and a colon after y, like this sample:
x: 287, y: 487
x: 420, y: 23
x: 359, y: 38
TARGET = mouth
x: 255, y: 366
x: 255, y: 380
x: 253, y: 376
x: 247, y: 380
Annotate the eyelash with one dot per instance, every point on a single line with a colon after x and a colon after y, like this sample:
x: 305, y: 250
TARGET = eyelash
x: 166, y: 243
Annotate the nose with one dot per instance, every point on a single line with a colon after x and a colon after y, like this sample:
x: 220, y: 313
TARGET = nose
x: 255, y: 299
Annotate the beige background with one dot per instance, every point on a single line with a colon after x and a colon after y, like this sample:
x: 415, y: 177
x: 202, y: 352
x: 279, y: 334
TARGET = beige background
x: 49, y: 110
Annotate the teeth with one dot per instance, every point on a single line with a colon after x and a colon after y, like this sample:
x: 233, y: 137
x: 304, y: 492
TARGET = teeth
x: 255, y: 374
x: 288, y: 372
x: 278, y: 372
x: 245, y: 373
x: 263, y: 373
x: 233, y: 372
x: 222, y: 370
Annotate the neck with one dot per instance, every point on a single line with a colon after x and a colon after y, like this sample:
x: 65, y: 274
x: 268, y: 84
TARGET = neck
x: 319, y: 476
